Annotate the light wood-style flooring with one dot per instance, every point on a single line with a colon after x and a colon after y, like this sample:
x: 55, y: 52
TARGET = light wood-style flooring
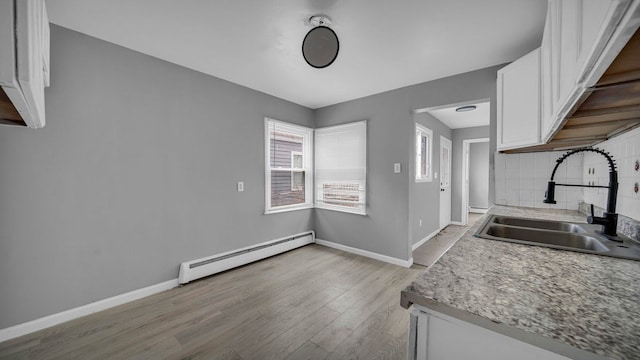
x: 310, y: 303
x: 430, y: 252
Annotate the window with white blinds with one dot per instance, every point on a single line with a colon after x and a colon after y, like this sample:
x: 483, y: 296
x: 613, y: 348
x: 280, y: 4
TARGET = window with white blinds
x: 288, y: 166
x: 340, y: 167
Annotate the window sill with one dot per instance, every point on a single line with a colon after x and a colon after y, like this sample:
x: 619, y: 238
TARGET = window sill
x: 424, y: 180
x: 287, y: 209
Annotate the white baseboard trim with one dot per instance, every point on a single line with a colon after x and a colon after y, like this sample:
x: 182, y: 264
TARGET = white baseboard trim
x: 71, y: 314
x: 457, y: 223
x: 424, y: 240
x: 365, y: 253
x: 478, y: 210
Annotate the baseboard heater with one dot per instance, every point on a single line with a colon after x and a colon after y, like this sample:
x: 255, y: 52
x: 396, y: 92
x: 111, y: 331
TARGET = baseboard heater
x: 196, y: 269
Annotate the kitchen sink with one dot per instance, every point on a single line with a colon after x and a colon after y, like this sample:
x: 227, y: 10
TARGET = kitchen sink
x: 584, y: 238
x: 555, y: 238
x: 538, y: 224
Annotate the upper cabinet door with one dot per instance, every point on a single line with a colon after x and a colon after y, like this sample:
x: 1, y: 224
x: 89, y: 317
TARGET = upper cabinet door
x: 576, y: 33
x: 564, y: 54
x: 7, y: 44
x: 598, y: 20
x: 519, y: 102
x: 547, y: 117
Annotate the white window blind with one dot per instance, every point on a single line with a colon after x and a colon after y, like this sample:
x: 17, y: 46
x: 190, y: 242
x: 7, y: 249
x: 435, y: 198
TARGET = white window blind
x: 340, y: 167
x: 288, y: 174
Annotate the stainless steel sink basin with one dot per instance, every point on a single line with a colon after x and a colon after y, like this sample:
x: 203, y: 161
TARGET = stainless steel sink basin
x: 538, y: 224
x: 556, y: 238
x: 558, y: 235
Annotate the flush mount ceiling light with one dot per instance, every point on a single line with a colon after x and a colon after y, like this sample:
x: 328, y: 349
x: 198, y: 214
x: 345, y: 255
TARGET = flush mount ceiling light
x: 466, y: 108
x: 320, y: 46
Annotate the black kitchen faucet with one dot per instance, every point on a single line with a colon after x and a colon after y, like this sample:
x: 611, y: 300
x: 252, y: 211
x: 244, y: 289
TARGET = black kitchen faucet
x: 609, y: 220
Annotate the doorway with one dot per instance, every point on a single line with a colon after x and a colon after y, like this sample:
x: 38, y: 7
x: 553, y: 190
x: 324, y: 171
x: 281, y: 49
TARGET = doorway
x: 445, y: 182
x: 475, y: 178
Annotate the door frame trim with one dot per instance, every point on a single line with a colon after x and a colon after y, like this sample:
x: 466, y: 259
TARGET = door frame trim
x: 450, y: 178
x: 464, y: 206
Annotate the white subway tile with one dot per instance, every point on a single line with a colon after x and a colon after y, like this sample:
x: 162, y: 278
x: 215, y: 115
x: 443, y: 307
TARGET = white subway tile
x: 526, y: 195
x: 574, y: 180
x: 526, y: 203
x: 574, y: 172
x: 574, y: 160
x: 512, y: 198
x: 500, y: 166
x: 571, y: 205
x: 526, y: 183
x: 561, y: 194
x: 513, y: 184
x: 561, y: 174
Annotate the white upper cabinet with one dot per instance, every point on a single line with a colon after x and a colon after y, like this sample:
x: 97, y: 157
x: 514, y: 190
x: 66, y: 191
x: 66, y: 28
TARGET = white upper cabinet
x: 576, y: 49
x: 24, y: 63
x: 519, y: 102
x: 577, y: 32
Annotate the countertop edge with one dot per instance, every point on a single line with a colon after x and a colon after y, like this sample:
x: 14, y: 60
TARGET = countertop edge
x: 407, y: 300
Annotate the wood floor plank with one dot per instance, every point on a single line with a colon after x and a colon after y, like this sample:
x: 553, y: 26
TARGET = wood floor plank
x: 308, y: 351
x: 287, y: 342
x: 14, y: 347
x: 310, y: 303
x: 370, y: 337
x: 269, y: 324
x: 209, y: 352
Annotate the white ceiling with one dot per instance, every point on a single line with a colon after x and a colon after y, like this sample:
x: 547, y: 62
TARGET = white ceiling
x: 456, y: 120
x: 384, y: 44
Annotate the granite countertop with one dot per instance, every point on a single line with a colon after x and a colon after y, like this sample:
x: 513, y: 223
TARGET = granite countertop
x: 589, y: 302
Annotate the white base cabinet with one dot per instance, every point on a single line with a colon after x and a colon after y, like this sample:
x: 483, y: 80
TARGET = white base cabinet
x: 435, y: 336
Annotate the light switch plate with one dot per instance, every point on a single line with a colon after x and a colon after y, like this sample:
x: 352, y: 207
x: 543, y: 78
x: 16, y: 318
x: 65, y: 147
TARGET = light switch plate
x: 435, y: 175
x: 240, y: 186
x: 396, y: 168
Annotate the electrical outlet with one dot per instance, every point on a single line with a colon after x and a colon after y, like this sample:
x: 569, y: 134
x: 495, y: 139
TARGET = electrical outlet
x: 396, y: 168
x: 240, y: 186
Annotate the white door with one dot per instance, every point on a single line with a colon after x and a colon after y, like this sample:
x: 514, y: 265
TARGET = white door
x: 445, y: 182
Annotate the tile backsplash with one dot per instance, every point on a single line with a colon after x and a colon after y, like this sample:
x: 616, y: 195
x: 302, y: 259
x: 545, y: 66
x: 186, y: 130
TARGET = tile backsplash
x: 625, y: 150
x: 521, y: 179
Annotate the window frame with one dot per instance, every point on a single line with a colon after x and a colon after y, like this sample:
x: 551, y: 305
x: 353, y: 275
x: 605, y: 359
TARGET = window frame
x: 307, y: 165
x: 293, y: 172
x: 423, y: 131
x: 362, y: 190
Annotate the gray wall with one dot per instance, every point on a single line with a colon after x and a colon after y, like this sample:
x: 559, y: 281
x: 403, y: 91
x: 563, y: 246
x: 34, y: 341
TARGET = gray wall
x: 459, y: 135
x: 395, y: 203
x: 134, y: 173
x: 384, y: 230
x: 426, y: 195
x: 479, y: 175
